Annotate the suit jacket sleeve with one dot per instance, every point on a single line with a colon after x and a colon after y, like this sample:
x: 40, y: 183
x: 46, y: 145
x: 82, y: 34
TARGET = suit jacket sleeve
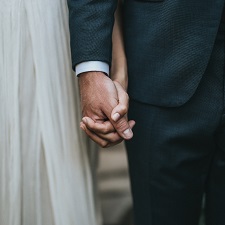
x: 91, y: 23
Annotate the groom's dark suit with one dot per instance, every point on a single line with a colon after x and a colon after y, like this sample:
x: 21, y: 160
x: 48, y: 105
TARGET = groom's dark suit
x: 175, y: 54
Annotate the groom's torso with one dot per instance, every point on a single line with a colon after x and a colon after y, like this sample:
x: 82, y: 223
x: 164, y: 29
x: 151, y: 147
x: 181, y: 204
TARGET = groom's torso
x: 168, y: 46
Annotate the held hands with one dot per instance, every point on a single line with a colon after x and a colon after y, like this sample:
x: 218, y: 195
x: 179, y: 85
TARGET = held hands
x: 104, y: 106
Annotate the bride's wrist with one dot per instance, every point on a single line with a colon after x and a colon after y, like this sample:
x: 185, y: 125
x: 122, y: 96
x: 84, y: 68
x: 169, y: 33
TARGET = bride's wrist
x: 121, y: 77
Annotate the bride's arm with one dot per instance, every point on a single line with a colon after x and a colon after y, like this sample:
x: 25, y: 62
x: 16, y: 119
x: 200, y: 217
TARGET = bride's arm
x: 119, y: 63
x: 118, y: 71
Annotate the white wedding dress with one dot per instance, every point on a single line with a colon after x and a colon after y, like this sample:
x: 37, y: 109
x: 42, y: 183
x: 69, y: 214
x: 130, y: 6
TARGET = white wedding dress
x: 45, y: 168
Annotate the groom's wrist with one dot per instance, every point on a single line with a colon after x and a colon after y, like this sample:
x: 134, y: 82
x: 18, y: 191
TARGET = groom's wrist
x: 92, y: 66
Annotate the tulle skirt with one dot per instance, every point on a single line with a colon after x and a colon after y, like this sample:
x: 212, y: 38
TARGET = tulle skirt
x: 45, y: 167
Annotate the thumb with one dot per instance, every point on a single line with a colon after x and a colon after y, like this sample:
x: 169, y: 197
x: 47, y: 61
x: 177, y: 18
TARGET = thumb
x: 119, y: 114
x: 123, y: 127
x: 121, y: 109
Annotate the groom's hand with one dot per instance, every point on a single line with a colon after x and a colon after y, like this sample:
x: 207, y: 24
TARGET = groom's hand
x: 104, y: 133
x: 98, y: 99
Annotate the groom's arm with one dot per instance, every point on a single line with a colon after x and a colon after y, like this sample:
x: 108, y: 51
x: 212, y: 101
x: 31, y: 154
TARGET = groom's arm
x: 91, y: 24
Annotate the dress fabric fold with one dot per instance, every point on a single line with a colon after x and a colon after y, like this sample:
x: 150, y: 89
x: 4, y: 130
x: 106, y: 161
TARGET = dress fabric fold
x: 46, y: 163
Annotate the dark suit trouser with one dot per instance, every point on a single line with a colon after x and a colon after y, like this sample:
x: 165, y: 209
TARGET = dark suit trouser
x: 178, y: 154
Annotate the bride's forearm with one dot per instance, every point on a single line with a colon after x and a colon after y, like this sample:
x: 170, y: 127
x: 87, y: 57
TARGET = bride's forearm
x: 119, y: 62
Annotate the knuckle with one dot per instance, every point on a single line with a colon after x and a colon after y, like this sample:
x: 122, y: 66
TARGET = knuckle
x: 115, y: 138
x: 124, y: 109
x: 109, y: 128
x: 104, y: 130
x: 103, y: 144
x: 122, y: 125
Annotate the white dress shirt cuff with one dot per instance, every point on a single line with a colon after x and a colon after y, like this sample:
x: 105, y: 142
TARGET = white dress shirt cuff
x: 92, y: 66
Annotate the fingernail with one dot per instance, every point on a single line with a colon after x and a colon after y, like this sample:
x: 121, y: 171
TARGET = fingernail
x: 82, y: 127
x: 116, y: 116
x: 84, y: 120
x: 128, y: 133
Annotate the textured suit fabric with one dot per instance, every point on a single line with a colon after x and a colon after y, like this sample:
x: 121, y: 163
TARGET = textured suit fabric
x: 176, y: 84
x: 91, y: 25
x: 168, y: 46
x: 168, y: 43
x: 178, y: 153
